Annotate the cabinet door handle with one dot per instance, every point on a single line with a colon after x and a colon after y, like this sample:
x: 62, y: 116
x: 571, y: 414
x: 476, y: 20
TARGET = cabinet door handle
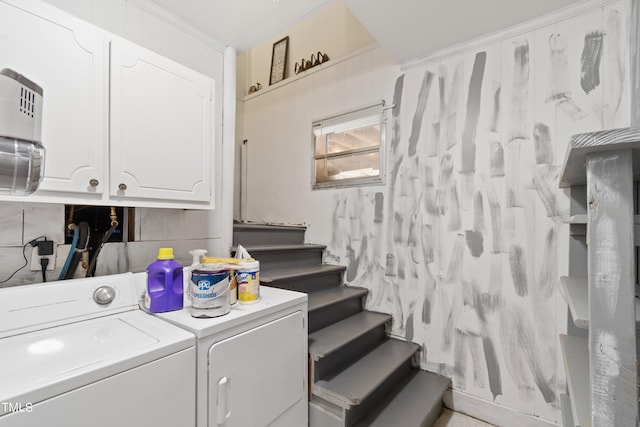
x: 223, y: 401
x: 94, y: 182
x: 122, y: 186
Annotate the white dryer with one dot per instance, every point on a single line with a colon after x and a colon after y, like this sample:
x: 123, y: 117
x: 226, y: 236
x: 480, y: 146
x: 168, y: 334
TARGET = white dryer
x: 81, y: 353
x: 252, y: 362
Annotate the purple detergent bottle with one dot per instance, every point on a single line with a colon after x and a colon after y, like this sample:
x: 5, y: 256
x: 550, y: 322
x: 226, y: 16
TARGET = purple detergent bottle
x: 164, y: 283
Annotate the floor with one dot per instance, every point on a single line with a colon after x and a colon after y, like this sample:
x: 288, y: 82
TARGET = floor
x: 456, y: 419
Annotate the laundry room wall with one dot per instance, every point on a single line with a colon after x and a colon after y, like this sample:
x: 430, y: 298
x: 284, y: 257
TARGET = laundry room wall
x: 149, y: 26
x: 332, y: 30
x: 155, y: 228
x: 465, y: 242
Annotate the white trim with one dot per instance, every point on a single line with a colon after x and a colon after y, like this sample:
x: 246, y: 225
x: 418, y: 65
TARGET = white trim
x: 509, y: 32
x: 634, y: 58
x: 491, y: 412
x: 315, y: 69
x: 164, y: 15
x: 228, y: 147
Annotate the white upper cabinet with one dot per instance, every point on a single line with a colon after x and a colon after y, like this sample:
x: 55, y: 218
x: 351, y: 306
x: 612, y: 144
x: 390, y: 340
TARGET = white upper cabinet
x: 122, y: 125
x: 67, y: 58
x: 161, y: 127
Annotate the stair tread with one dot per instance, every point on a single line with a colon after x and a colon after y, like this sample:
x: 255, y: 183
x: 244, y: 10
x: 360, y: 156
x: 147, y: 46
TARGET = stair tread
x: 330, y: 296
x: 281, y: 247
x: 412, y: 404
x: 248, y: 226
x: 272, y: 275
x: 352, y: 386
x: 333, y: 337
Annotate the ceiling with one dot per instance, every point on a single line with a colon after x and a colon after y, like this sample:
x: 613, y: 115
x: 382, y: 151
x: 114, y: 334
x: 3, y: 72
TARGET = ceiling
x: 411, y: 29
x: 242, y: 24
x: 408, y: 29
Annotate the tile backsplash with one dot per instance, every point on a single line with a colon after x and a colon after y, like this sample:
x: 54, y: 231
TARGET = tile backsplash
x: 181, y: 229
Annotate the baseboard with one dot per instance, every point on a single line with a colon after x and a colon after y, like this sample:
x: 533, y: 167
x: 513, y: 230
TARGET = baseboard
x: 490, y: 412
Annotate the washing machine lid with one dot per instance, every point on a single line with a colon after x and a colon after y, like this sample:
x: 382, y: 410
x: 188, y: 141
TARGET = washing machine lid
x: 49, y: 362
x: 62, y: 350
x: 29, y: 308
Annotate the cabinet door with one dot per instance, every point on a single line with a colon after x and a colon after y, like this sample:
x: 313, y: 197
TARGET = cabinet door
x: 161, y: 127
x: 67, y: 58
x: 253, y: 380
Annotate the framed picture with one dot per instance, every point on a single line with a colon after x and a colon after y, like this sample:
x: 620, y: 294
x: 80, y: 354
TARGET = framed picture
x: 279, y: 60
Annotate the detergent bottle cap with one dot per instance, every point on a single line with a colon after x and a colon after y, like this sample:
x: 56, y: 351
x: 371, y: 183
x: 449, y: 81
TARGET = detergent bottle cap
x: 165, y: 253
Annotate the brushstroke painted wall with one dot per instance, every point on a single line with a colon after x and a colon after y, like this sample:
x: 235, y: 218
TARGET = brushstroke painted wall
x: 465, y: 242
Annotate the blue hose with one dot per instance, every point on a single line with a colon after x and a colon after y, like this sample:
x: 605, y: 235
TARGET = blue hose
x: 65, y: 267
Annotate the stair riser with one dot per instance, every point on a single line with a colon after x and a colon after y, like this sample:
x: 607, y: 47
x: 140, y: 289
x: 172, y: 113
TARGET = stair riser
x: 324, y: 414
x: 325, y: 316
x: 418, y: 402
x: 295, y: 258
x: 247, y: 237
x: 435, y: 413
x: 336, y: 361
x: 308, y: 284
x: 357, y: 412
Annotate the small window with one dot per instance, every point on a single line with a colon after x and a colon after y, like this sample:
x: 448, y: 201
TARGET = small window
x: 348, y: 148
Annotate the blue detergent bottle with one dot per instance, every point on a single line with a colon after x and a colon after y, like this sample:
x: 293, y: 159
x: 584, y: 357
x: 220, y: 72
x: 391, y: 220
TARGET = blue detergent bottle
x: 164, y: 283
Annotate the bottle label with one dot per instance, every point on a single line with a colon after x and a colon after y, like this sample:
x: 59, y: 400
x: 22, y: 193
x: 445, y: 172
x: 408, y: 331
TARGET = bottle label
x: 248, y: 285
x: 206, y: 286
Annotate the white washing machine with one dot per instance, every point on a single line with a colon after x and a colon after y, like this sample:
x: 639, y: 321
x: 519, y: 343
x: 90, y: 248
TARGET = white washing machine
x: 252, y: 362
x: 81, y: 353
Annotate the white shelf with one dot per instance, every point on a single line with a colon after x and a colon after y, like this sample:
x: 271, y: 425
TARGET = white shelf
x: 577, y: 219
x: 324, y: 65
x: 573, y: 171
x: 575, y: 292
x: 575, y: 352
x: 582, y: 219
x: 567, y: 415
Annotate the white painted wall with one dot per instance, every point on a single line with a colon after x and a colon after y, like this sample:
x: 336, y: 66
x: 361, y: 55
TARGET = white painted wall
x: 332, y: 30
x: 278, y: 130
x: 487, y: 318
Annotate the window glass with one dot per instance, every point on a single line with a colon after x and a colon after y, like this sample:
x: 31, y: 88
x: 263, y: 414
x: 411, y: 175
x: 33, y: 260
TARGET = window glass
x: 348, y: 148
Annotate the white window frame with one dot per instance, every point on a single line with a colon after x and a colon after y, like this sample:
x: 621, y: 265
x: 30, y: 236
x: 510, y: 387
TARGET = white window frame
x: 353, y: 119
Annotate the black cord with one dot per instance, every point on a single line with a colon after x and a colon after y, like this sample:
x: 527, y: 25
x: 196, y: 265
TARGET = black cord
x: 91, y: 271
x: 32, y: 243
x: 44, y: 262
x: 23, y: 265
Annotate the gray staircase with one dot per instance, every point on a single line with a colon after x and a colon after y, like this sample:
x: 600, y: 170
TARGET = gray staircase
x: 359, y: 376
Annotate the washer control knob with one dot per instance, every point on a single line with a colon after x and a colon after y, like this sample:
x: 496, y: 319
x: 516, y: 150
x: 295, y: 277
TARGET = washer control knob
x: 104, y: 295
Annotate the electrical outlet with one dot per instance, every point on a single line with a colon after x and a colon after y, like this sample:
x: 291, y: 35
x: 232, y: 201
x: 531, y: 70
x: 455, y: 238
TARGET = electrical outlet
x: 35, y: 259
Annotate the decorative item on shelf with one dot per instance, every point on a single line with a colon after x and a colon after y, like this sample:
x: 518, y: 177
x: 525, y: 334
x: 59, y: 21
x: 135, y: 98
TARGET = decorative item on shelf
x: 279, y: 60
x: 256, y: 87
x: 315, y: 59
x: 300, y: 67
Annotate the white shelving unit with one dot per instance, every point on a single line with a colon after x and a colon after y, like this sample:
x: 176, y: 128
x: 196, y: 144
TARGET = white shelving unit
x: 575, y: 352
x: 601, y: 368
x: 575, y: 293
